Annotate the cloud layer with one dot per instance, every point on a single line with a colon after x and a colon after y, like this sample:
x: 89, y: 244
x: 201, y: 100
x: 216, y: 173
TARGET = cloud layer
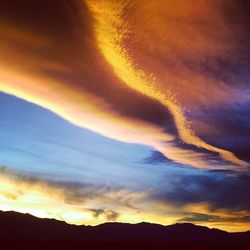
x: 93, y: 64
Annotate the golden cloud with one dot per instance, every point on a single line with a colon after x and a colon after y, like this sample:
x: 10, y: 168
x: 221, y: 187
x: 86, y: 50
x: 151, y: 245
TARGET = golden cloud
x: 73, y: 79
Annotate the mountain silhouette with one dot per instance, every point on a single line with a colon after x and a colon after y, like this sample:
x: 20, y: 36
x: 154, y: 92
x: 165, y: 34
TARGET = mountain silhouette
x: 23, y: 231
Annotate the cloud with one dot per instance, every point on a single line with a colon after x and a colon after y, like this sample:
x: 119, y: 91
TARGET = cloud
x: 218, y: 191
x: 68, y: 201
x: 110, y: 215
x: 71, y: 192
x: 65, y: 71
x: 198, y: 217
x: 229, y: 129
x: 111, y: 29
x: 201, y: 201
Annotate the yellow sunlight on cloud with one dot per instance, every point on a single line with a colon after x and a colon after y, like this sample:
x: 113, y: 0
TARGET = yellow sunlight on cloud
x: 88, y: 111
x: 30, y: 82
x: 50, y: 200
x: 47, y: 200
x: 40, y: 201
x: 110, y: 30
x: 227, y: 219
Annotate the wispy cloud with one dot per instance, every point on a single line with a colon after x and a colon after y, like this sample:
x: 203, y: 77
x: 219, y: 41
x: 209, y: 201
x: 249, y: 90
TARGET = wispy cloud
x: 79, y: 203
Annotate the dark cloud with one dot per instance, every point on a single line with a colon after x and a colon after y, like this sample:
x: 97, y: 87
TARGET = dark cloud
x: 109, y: 214
x: 156, y: 157
x: 230, y: 129
x: 218, y: 191
x: 199, y: 217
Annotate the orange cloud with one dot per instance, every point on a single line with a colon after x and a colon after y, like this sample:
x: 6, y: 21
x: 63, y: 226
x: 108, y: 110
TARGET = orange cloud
x: 73, y: 80
x: 111, y: 30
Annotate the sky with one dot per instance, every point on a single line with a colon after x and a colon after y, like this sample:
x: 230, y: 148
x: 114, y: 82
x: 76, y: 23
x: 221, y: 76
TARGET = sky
x: 126, y: 111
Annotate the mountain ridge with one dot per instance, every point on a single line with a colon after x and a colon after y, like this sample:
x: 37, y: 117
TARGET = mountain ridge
x: 28, y: 231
